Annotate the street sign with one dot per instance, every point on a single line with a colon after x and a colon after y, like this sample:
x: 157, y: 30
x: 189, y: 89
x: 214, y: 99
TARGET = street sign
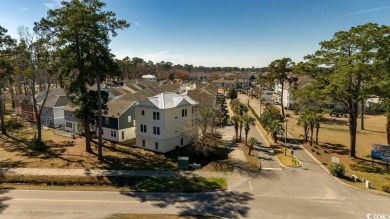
x: 335, y: 159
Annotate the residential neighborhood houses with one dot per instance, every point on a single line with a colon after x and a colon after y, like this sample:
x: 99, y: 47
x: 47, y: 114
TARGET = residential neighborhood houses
x: 172, y: 109
x: 121, y: 122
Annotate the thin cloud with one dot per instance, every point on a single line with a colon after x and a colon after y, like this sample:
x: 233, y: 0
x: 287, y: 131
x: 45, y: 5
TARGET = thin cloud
x: 23, y: 9
x: 53, y: 4
x: 362, y: 12
x: 163, y: 56
x: 137, y: 23
x: 10, y: 21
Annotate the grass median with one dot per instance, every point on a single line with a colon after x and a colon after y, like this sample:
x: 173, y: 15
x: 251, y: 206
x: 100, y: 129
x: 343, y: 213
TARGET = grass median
x: 134, y: 183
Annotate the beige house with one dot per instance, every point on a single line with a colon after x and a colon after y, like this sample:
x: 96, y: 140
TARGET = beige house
x: 161, y: 120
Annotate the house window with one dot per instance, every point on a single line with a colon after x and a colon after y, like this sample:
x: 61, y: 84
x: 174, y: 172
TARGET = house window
x: 156, y: 146
x: 129, y: 118
x: 181, y: 141
x: 183, y: 112
x: 143, y: 143
x: 143, y: 128
x: 156, y: 115
x: 143, y: 112
x: 68, y: 124
x: 156, y: 130
x: 106, y: 120
x: 113, y: 134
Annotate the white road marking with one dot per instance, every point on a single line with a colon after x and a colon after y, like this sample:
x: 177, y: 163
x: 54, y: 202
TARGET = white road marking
x: 250, y: 186
x: 270, y: 168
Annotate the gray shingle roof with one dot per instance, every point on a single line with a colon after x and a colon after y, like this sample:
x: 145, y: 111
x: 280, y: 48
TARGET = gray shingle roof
x: 117, y: 107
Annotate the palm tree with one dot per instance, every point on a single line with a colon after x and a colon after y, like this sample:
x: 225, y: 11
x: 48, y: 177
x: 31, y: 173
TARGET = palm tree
x: 275, y: 128
x: 252, y: 142
x: 234, y: 103
x: 248, y: 121
x: 317, y: 123
x: 240, y: 109
x: 241, y: 122
x: 236, y: 120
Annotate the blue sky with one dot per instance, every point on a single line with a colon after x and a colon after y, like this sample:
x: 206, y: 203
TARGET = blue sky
x: 241, y: 33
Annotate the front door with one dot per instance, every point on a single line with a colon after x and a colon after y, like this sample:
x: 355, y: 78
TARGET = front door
x: 123, y: 135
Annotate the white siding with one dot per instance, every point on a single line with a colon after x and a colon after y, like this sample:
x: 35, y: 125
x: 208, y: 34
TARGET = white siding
x: 107, y: 134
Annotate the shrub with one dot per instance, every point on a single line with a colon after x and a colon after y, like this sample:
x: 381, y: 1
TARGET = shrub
x: 14, y: 123
x: 313, y: 150
x: 288, y: 115
x: 337, y: 169
x: 318, y: 153
x: 386, y: 188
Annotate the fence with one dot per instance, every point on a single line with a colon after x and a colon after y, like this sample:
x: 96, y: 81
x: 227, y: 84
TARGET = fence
x: 63, y: 133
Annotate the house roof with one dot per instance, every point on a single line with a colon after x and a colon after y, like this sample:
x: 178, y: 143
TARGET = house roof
x: 168, y: 100
x: 55, y: 98
x: 52, y: 92
x: 117, y: 91
x: 221, y: 80
x: 56, y: 101
x: 149, y: 76
x: 203, y: 96
x: 71, y: 108
x: 117, y: 107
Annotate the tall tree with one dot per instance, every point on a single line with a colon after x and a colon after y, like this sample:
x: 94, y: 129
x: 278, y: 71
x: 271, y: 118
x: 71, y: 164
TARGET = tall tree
x: 248, y: 121
x: 383, y: 67
x: 81, y: 30
x: 280, y: 70
x: 252, y: 142
x: 344, y: 70
x: 6, y: 69
x: 236, y: 121
x: 36, y: 58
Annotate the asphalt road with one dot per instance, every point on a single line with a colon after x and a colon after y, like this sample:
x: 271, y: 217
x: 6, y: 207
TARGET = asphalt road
x: 306, y: 192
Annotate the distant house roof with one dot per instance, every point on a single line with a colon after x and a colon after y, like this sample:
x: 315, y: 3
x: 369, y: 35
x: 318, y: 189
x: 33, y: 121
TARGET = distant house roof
x: 56, y: 101
x: 169, y: 100
x: 148, y: 77
x: 117, y: 91
x: 117, y: 107
x: 203, y: 96
x: 221, y: 80
x: 55, y: 98
x: 71, y: 108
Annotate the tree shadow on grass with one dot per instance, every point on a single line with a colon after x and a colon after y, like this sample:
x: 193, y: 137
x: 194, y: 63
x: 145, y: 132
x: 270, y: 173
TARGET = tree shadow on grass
x: 9, y: 163
x: 222, y: 204
x: 21, y: 147
x: 365, y: 165
x: 335, y: 148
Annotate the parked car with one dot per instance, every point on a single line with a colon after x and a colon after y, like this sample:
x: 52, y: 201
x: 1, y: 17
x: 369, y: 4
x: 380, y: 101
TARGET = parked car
x: 278, y: 102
